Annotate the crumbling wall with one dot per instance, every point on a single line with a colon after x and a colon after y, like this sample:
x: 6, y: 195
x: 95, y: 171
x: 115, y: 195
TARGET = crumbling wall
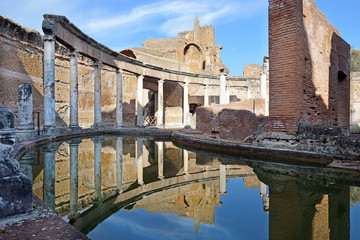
x: 235, y: 121
x: 309, y: 68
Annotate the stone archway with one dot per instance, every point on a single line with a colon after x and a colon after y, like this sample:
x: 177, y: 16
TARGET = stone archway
x: 194, y: 57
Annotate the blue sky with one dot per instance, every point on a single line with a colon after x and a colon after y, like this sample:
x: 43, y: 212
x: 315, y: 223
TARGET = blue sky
x: 240, y: 25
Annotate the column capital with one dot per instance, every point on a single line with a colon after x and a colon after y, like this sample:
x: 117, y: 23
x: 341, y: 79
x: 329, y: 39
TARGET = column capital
x: 48, y: 37
x: 97, y: 63
x: 97, y: 139
x: 74, y: 53
x: 118, y: 71
x: 223, y: 74
x: 161, y: 80
x: 141, y: 76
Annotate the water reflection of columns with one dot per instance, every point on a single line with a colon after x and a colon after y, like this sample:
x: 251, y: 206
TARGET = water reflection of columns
x: 264, y: 196
x: 49, y: 175
x: 139, y: 158
x: 97, y: 167
x: 160, y: 160
x: 186, y: 161
x: 26, y: 164
x: 119, y: 162
x: 222, y: 179
x: 74, y: 179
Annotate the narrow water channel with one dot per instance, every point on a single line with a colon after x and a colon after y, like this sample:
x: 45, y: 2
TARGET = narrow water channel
x: 112, y: 187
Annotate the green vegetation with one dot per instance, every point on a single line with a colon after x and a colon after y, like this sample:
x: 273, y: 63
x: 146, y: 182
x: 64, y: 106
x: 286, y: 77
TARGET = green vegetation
x: 355, y: 60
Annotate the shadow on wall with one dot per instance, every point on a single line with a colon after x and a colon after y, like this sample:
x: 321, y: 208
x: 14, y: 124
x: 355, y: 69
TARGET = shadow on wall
x: 305, y: 92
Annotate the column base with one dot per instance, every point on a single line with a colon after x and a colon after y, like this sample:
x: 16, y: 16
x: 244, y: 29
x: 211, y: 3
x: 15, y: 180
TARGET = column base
x: 119, y: 125
x: 50, y: 130
x: 74, y: 129
x: 98, y: 127
x: 140, y: 126
x: 25, y: 134
x: 8, y: 138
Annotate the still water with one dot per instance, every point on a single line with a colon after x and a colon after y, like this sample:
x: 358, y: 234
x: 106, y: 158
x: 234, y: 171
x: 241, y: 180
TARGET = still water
x: 112, y: 187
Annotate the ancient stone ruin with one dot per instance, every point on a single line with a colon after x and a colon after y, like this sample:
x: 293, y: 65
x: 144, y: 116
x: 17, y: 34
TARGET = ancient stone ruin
x: 64, y: 83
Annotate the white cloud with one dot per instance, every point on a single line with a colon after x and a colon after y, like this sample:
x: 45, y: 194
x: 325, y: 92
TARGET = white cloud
x: 176, y: 15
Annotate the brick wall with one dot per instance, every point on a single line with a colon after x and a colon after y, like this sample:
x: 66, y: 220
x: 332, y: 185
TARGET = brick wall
x: 307, y: 56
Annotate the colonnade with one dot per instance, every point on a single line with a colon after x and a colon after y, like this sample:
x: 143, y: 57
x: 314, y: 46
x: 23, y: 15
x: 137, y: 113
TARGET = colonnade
x: 49, y: 94
x: 49, y: 91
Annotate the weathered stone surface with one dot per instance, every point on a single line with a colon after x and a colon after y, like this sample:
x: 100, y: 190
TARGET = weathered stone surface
x: 234, y: 121
x: 309, y: 68
x: 193, y: 51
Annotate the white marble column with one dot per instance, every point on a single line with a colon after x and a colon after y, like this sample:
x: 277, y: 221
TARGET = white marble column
x: 160, y: 160
x: 139, y: 159
x: 222, y: 88
x: 206, y: 95
x: 119, y: 100
x: 139, y: 102
x: 160, y: 119
x: 264, y: 196
x: 25, y: 129
x: 222, y: 179
x: 186, y: 102
x: 97, y: 97
x: 186, y: 161
x: 97, y: 167
x: 249, y: 86
x: 119, y: 162
x: 74, y: 92
x: 227, y: 95
x: 49, y: 175
x: 49, y: 86
x: 74, y: 178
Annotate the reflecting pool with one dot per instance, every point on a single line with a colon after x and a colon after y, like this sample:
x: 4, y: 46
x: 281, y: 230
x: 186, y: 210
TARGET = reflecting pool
x: 112, y: 187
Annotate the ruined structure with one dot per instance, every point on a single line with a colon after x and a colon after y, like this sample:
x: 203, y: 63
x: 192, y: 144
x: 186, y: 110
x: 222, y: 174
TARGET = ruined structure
x: 309, y: 73
x: 193, y: 51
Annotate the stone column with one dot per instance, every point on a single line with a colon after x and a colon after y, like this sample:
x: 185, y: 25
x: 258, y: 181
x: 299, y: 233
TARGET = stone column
x: 139, y: 158
x: 222, y: 88
x: 139, y: 102
x: 74, y: 179
x: 186, y: 161
x: 222, y: 179
x: 160, y: 160
x: 206, y: 95
x: 74, y: 92
x: 227, y: 95
x: 97, y: 97
x: 49, y: 175
x: 25, y: 130
x: 49, y: 86
x: 119, y: 162
x: 186, y: 102
x: 160, y: 121
x: 263, y: 84
x: 97, y: 167
x: 264, y: 196
x: 119, y: 99
x: 249, y: 86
